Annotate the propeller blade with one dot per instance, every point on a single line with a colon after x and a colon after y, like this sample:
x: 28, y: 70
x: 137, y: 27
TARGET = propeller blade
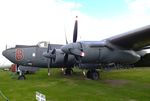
x: 75, y: 32
x: 66, y: 41
x: 48, y: 48
x: 66, y: 37
x: 49, y: 64
x: 65, y: 59
x: 53, y: 51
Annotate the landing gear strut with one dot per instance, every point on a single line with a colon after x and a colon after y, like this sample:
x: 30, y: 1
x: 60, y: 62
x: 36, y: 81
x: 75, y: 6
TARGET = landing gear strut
x: 68, y: 71
x: 92, y: 74
x: 21, y: 75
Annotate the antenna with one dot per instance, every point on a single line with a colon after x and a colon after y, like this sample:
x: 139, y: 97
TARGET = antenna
x: 6, y: 46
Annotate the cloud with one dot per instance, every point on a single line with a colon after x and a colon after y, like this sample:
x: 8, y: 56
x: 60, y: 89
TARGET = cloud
x: 139, y: 6
x: 70, y: 5
x: 34, y: 20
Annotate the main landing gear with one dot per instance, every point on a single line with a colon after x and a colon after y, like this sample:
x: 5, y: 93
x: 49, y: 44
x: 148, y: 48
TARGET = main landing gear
x: 68, y: 71
x: 92, y: 74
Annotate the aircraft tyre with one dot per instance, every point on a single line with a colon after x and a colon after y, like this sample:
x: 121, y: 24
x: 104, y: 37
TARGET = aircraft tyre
x: 93, y: 74
x: 68, y: 71
x: 88, y: 74
x: 21, y: 77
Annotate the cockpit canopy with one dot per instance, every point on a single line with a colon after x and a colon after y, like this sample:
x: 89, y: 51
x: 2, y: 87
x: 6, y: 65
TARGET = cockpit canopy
x: 43, y: 44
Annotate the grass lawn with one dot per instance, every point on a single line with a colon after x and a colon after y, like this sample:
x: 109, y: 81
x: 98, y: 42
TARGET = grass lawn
x: 115, y: 85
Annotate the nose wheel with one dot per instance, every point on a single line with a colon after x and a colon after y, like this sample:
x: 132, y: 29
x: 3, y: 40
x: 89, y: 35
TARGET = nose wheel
x: 21, y: 76
x: 92, y: 74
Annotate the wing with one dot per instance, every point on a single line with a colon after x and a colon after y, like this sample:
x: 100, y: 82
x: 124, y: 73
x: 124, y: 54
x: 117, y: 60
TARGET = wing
x: 135, y: 39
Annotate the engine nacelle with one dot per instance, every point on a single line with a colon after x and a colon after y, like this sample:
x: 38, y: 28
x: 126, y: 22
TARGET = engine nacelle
x: 59, y: 60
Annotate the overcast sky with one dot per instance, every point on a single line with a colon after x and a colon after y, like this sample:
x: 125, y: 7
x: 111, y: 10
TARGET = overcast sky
x: 31, y: 21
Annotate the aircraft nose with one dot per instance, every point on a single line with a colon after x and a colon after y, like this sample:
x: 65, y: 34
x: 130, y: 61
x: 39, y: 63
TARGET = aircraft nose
x: 7, y: 53
x: 4, y: 53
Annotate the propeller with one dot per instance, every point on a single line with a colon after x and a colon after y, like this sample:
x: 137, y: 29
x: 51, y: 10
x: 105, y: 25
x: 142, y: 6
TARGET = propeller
x: 50, y: 55
x: 75, y: 33
x: 74, y: 48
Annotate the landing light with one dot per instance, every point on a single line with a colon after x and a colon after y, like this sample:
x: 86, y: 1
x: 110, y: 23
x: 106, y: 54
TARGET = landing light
x: 82, y: 54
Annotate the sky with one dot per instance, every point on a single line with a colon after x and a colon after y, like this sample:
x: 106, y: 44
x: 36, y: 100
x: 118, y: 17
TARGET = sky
x: 27, y: 22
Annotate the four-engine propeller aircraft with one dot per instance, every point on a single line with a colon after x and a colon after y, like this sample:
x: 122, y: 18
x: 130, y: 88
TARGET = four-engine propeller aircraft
x: 121, y: 49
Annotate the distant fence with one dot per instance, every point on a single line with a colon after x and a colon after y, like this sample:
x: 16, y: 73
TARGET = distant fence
x: 3, y: 96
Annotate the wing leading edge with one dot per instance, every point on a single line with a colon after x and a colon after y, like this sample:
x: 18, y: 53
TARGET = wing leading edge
x: 135, y: 39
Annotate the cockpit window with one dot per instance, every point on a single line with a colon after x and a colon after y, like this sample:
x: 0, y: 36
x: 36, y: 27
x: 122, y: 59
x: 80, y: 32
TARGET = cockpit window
x: 43, y: 44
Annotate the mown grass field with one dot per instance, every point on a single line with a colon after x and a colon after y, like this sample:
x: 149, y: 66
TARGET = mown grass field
x: 115, y: 85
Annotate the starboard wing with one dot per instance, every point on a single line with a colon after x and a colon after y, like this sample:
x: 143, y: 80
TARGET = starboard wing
x: 135, y: 39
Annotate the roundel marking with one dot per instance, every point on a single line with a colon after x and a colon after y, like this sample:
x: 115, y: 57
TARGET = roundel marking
x: 19, y: 54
